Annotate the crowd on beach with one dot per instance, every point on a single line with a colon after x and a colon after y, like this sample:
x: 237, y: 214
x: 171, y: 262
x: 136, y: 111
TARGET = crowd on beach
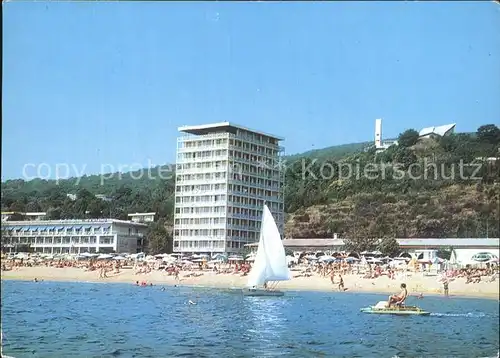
x: 335, y: 269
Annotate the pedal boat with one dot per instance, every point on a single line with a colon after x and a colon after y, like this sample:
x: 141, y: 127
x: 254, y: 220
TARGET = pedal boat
x: 402, y: 310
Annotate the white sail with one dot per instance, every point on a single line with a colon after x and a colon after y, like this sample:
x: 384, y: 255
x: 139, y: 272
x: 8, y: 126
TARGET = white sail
x: 270, y: 262
x: 257, y: 275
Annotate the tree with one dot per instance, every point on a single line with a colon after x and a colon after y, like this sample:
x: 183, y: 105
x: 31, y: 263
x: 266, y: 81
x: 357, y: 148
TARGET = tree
x: 158, y: 239
x: 389, y: 247
x: 445, y: 253
x: 16, y: 217
x: 408, y: 138
x: 405, y: 157
x: 358, y: 244
x: 489, y: 133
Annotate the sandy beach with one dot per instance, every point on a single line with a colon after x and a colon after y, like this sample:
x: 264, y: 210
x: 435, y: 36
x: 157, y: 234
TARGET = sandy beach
x: 416, y: 282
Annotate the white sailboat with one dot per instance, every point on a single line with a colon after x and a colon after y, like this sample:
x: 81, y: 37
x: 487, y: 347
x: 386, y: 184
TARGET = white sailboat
x: 270, y: 265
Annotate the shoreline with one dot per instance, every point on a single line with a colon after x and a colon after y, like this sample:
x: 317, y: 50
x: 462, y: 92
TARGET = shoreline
x: 461, y: 295
x: 426, y: 285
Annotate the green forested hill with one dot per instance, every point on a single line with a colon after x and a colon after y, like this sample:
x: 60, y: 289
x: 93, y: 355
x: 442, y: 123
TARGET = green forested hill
x: 335, y: 152
x: 390, y: 194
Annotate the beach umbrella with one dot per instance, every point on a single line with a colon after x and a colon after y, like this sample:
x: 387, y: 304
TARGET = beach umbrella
x: 137, y: 256
x: 212, y: 262
x: 119, y: 258
x: 86, y: 254
x: 235, y: 258
x: 326, y: 258
x: 104, y: 256
x: 219, y: 256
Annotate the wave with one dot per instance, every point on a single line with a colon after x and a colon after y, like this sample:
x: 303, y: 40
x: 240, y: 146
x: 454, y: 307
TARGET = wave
x: 470, y: 314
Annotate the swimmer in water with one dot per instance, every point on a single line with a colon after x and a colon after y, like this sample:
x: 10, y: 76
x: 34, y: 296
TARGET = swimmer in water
x: 35, y: 280
x: 191, y: 302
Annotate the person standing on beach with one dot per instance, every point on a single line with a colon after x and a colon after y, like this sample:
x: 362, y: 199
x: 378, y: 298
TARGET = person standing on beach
x: 445, y: 287
x: 341, y: 283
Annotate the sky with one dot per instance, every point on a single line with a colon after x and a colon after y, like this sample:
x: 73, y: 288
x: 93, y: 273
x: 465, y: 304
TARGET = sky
x: 100, y: 87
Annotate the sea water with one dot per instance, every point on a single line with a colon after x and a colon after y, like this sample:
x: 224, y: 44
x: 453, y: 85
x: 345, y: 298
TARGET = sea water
x: 59, y: 319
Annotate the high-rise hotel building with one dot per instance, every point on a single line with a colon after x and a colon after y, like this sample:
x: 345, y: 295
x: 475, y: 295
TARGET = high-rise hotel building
x: 224, y: 175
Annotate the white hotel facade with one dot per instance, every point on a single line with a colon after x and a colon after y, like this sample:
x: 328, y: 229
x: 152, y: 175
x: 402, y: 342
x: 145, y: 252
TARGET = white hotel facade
x: 224, y: 175
x: 74, y: 236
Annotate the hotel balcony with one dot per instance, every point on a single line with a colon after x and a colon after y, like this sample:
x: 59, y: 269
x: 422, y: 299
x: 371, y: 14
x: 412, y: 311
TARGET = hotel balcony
x: 219, y: 169
x: 200, y: 181
x: 214, y: 158
x: 201, y: 137
x: 201, y: 204
x: 199, y: 226
x: 200, y: 215
x: 201, y: 192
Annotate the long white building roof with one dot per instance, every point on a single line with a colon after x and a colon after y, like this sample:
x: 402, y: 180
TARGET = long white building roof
x: 440, y: 130
x: 404, y: 243
x: 226, y: 126
x: 9, y: 225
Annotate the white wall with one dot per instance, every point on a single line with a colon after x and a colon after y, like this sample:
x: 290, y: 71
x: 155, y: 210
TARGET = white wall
x: 426, y: 254
x: 464, y: 256
x: 378, y: 133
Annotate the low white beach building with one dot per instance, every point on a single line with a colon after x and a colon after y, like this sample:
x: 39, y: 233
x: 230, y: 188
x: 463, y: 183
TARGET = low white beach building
x: 73, y: 236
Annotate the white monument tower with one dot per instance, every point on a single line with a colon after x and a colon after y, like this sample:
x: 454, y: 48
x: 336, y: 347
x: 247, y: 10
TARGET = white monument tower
x: 378, y: 133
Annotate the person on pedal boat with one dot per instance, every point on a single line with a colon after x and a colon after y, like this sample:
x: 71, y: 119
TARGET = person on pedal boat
x: 399, y: 298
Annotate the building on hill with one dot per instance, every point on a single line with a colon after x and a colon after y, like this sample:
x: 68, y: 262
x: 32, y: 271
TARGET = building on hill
x: 73, y: 236
x: 225, y: 173
x: 142, y: 217
x: 425, y: 133
x: 437, y: 132
x: 35, y: 216
x: 16, y: 215
x: 103, y: 197
x: 380, y: 144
